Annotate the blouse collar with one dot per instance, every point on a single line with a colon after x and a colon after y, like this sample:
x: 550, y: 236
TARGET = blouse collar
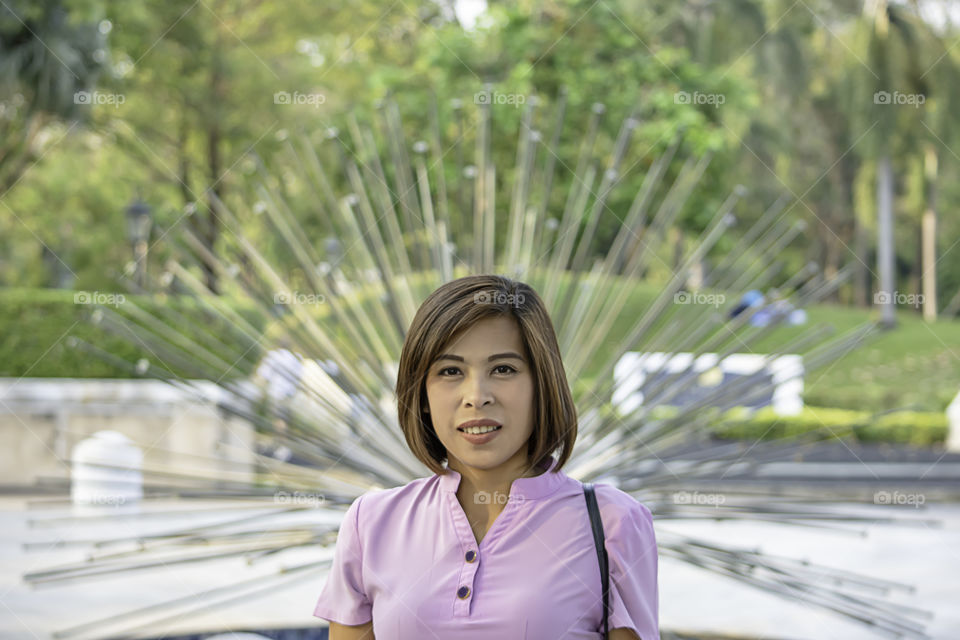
x: 539, y: 486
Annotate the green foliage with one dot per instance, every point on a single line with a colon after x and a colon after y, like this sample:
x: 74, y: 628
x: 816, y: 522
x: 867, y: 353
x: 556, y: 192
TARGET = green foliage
x: 49, y: 49
x: 38, y: 324
x: 199, y: 84
x: 65, y: 225
x: 51, y: 52
x: 901, y: 427
x: 595, y: 55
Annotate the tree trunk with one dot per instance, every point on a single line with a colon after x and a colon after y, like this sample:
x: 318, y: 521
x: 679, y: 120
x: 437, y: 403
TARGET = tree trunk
x: 861, y: 274
x: 18, y: 156
x: 886, y: 295
x: 183, y: 156
x: 928, y: 230
x: 916, y: 265
x: 831, y: 262
x: 214, y: 162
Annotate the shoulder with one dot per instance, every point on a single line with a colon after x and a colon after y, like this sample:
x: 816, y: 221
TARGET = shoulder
x: 406, y: 492
x: 380, y: 504
x: 621, y: 512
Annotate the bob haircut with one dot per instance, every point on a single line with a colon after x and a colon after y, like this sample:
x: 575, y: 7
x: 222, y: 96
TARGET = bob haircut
x: 448, y: 312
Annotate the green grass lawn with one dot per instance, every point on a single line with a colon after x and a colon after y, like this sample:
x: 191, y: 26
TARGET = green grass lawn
x: 916, y: 364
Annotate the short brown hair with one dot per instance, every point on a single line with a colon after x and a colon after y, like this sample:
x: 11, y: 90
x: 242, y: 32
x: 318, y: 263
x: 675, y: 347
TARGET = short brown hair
x: 451, y: 310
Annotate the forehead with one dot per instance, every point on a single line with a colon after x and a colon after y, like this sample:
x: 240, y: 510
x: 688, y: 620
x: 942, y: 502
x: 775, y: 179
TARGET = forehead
x: 486, y: 337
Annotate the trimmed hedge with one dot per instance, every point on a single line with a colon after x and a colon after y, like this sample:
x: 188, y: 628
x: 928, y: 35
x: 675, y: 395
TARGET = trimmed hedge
x: 39, y: 322
x: 902, y: 427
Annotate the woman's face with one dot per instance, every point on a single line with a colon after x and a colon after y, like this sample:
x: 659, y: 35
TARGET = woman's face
x: 469, y: 386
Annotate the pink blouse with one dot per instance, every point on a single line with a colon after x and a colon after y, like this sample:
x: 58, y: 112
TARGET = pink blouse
x: 407, y: 559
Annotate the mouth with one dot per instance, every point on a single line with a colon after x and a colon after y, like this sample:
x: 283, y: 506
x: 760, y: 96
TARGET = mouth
x: 480, y: 438
x: 496, y: 428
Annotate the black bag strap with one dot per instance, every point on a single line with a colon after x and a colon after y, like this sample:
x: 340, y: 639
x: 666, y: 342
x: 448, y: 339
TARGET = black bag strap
x: 597, y: 525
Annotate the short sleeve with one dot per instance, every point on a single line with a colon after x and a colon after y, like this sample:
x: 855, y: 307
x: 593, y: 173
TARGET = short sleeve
x: 632, y: 555
x: 343, y: 599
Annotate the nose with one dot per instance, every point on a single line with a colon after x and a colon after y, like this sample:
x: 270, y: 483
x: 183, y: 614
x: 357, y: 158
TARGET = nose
x: 477, y: 393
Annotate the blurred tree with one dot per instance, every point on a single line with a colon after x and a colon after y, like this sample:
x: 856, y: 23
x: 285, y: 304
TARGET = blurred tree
x: 938, y: 131
x: 594, y: 54
x: 200, y: 83
x: 209, y: 82
x: 799, y: 137
x: 895, y: 90
x: 48, y: 53
x: 51, y: 55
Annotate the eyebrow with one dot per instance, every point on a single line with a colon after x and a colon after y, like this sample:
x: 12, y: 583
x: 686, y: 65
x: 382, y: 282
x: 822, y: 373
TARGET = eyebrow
x: 496, y: 356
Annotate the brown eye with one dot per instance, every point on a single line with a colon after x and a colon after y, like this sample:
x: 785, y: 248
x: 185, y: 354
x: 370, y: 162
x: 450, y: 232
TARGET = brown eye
x: 508, y: 368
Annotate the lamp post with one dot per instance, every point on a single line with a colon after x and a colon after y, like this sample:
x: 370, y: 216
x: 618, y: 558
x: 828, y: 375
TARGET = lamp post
x: 138, y: 232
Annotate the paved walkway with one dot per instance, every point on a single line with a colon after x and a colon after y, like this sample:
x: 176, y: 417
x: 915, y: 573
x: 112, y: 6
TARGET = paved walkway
x: 690, y: 599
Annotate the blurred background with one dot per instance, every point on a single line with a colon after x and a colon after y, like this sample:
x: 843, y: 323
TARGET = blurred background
x: 123, y: 124
x: 108, y: 106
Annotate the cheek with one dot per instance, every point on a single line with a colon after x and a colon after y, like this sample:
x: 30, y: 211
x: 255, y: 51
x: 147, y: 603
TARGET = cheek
x: 521, y: 397
x: 431, y: 393
x: 436, y: 398
x: 525, y: 390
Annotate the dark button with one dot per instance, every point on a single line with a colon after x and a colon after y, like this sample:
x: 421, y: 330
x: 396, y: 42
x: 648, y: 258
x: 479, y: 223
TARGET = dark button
x: 471, y: 556
x: 463, y: 592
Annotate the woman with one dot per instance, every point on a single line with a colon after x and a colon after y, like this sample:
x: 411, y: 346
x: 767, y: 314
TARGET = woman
x: 497, y: 543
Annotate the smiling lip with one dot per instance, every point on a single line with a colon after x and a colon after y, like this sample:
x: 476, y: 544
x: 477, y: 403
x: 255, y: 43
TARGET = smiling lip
x: 485, y: 422
x: 481, y: 438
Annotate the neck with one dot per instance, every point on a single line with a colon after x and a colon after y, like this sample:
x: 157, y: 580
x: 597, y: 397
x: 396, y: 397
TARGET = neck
x: 494, y: 483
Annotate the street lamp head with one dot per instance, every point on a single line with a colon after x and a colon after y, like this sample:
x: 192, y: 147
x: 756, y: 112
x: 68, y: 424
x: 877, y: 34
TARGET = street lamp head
x: 138, y: 222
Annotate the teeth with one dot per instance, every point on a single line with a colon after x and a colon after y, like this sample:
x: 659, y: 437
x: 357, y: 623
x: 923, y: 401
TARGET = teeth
x: 478, y: 430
